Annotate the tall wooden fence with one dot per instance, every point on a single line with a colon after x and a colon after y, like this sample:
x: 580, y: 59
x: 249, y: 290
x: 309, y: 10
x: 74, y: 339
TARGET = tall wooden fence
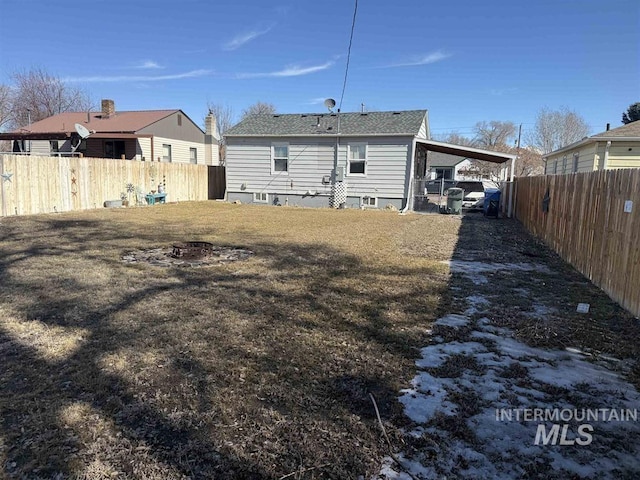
x: 589, y: 224
x: 31, y: 184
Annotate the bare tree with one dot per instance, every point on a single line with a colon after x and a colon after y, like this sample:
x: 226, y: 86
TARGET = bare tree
x: 258, y: 108
x: 456, y: 139
x: 224, y: 116
x: 493, y: 133
x: 555, y: 129
x: 38, y: 95
x: 5, y: 106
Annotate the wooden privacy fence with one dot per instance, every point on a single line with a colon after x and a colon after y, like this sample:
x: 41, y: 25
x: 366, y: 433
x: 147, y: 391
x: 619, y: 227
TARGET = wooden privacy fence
x: 593, y: 222
x: 32, y: 184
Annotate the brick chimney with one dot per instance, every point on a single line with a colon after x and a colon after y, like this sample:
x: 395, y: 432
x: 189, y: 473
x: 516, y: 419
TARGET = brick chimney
x: 108, y: 108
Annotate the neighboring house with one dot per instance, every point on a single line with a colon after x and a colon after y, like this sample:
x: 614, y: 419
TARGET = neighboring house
x: 611, y: 149
x: 355, y: 160
x: 162, y: 135
x: 452, y: 167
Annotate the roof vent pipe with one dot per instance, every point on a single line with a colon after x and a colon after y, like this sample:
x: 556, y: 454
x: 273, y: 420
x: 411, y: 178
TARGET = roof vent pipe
x: 608, y: 126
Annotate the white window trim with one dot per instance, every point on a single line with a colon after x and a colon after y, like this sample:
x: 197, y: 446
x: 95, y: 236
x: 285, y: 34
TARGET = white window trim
x: 273, y: 158
x: 369, y: 205
x: 366, y: 159
x: 170, y: 158
x: 256, y: 199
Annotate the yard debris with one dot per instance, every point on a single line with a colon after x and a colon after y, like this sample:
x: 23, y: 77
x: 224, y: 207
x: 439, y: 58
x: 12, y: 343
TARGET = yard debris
x: 166, y: 257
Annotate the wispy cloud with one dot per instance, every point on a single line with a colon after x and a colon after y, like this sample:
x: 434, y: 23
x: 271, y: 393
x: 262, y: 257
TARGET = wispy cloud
x: 289, y: 71
x: 432, y: 57
x: 148, y: 64
x: 138, y: 78
x: 244, y: 38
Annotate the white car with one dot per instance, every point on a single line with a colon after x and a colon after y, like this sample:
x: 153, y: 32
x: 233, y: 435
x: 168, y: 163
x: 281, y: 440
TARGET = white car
x: 474, y: 193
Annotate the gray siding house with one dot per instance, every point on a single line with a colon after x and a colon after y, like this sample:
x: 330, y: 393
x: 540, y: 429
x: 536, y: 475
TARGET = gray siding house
x: 353, y: 160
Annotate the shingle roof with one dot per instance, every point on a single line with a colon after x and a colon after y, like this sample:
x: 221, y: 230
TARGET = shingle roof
x: 120, y: 122
x: 437, y: 159
x: 629, y: 130
x: 406, y: 122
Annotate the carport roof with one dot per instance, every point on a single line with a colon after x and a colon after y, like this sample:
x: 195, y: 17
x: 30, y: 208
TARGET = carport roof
x: 469, y: 152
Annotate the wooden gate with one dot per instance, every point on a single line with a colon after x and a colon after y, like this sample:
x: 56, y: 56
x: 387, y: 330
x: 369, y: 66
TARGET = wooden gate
x: 217, y: 182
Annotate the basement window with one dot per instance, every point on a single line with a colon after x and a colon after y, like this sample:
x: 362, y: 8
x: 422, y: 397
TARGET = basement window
x: 261, y: 197
x: 369, y: 202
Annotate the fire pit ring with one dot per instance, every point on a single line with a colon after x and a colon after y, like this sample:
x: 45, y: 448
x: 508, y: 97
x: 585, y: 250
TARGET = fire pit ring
x: 192, y: 250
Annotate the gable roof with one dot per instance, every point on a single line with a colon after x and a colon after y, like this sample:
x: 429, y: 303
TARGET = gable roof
x: 120, y: 122
x: 629, y: 132
x: 403, y: 123
x: 437, y: 159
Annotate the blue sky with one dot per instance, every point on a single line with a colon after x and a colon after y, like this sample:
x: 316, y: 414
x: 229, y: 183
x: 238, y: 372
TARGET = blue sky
x: 464, y: 61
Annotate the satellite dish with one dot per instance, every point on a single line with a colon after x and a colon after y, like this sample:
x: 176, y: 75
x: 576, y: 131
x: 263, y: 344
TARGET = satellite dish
x: 329, y: 103
x: 82, y: 131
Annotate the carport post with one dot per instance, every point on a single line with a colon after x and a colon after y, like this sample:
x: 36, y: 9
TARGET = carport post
x: 510, y: 209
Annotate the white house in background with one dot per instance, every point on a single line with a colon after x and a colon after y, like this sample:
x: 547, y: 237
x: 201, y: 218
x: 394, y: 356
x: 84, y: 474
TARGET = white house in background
x: 354, y: 160
x: 160, y: 135
x: 611, y: 149
x: 451, y: 167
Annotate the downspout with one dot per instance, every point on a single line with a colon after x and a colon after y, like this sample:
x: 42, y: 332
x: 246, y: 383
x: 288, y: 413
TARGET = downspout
x: 510, y: 208
x: 606, y: 155
x: 409, y: 190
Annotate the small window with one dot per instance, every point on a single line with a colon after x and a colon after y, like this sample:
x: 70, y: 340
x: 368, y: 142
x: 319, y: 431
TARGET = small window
x: 357, y: 158
x: 576, y: 160
x: 114, y: 148
x: 166, y: 152
x: 193, y: 155
x: 369, y: 201
x: 446, y: 173
x: 261, y: 197
x: 54, y: 147
x: 555, y: 167
x: 279, y: 158
x: 564, y: 164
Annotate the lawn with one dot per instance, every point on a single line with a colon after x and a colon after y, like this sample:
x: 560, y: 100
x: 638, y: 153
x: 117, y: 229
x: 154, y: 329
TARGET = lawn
x: 265, y: 367
x: 260, y: 368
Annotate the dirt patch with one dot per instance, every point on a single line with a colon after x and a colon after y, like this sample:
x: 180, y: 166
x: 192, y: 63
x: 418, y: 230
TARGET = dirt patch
x: 166, y: 257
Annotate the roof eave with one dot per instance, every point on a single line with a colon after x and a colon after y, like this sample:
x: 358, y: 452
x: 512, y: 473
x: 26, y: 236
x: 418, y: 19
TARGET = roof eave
x: 588, y: 140
x: 328, y: 135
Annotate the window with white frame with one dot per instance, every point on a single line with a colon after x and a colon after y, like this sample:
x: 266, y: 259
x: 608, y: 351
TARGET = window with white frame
x: 576, y: 160
x: 193, y: 155
x: 279, y: 158
x: 369, y: 201
x: 261, y: 197
x: 357, y: 159
x: 166, y: 152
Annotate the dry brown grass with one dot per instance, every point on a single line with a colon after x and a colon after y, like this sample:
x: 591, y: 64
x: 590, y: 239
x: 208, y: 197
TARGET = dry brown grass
x: 253, y: 369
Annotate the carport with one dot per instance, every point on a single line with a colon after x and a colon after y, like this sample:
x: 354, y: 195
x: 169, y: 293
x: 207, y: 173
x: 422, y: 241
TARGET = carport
x: 420, y: 166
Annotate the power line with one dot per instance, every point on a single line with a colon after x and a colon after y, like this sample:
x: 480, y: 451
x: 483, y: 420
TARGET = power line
x: 346, y: 70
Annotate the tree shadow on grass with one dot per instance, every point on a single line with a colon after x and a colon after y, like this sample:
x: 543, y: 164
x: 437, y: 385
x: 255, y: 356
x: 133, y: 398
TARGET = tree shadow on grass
x: 245, y: 371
